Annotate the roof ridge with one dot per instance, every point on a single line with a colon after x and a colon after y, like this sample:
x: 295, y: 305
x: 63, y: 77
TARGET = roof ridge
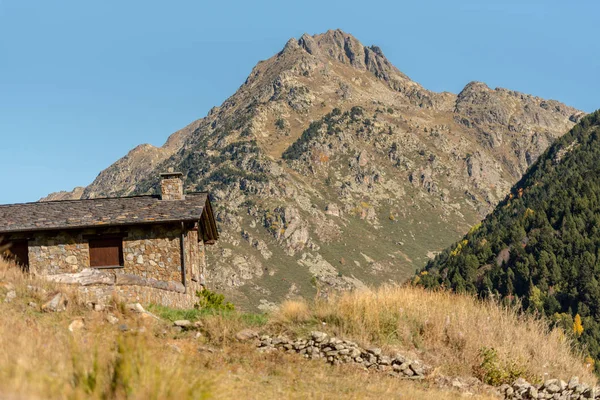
x: 96, y: 198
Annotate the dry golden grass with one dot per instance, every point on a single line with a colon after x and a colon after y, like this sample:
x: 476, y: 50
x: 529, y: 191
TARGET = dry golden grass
x: 449, y: 331
x: 41, y: 358
x: 293, y: 311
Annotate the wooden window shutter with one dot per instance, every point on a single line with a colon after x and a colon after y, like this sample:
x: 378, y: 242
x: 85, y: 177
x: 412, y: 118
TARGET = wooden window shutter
x: 106, y: 252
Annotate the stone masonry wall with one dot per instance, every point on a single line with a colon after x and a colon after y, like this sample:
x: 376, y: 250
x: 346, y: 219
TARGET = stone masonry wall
x: 153, y: 252
x: 172, y: 188
x: 65, y: 252
x: 103, y: 294
x: 196, y: 260
x: 151, y: 272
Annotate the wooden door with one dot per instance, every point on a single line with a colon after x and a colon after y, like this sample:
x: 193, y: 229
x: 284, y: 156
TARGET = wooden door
x: 18, y: 251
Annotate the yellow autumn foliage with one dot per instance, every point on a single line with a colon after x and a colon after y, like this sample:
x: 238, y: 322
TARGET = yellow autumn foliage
x: 459, y: 248
x: 577, y: 325
x: 475, y: 228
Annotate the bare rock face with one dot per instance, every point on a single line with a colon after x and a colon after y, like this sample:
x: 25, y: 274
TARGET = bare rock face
x: 328, y: 153
x: 505, y: 118
x: 75, y: 194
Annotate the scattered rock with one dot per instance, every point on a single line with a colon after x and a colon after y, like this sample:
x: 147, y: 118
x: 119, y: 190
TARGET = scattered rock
x: 332, y: 209
x: 175, y: 348
x: 182, y: 323
x: 457, y: 384
x: 111, y: 319
x: 76, y: 325
x: 37, y: 289
x: 10, y: 296
x: 58, y: 303
x: 123, y: 328
x: 206, y: 349
x: 135, y: 307
x: 33, y: 304
x: 246, y: 334
x: 363, y: 158
x: 149, y: 315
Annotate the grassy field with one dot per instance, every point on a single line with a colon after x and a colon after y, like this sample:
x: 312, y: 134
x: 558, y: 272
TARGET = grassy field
x: 141, y: 357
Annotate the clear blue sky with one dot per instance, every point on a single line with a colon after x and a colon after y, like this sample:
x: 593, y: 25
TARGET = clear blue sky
x: 83, y: 82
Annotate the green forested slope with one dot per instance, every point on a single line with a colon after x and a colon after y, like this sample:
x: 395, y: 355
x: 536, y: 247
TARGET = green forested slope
x: 541, y: 245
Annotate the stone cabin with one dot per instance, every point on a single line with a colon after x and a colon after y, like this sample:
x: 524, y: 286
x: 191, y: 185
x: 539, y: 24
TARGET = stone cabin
x: 147, y: 249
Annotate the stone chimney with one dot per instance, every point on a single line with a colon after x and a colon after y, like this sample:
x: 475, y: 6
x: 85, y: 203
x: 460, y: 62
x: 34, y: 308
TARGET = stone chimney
x: 171, y: 186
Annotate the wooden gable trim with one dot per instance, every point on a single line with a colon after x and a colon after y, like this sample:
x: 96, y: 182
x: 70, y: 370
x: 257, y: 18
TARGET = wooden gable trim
x: 208, y: 225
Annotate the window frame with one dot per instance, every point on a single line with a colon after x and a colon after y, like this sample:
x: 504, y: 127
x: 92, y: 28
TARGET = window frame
x: 94, y: 242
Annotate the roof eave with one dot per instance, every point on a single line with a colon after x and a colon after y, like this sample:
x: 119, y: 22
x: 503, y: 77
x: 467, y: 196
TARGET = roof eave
x: 109, y: 225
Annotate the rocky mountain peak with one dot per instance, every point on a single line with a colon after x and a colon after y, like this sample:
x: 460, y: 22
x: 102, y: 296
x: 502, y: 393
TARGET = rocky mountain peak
x: 472, y: 89
x: 511, y: 108
x: 329, y: 168
x: 346, y: 49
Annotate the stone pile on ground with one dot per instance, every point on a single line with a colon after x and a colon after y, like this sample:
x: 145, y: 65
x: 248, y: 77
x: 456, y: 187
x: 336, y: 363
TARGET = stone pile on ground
x: 337, y: 351
x: 550, y: 389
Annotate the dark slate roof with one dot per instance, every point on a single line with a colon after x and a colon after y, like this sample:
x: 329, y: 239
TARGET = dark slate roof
x: 119, y: 211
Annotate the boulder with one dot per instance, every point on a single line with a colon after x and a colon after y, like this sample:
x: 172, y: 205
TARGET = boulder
x: 246, y: 334
x: 57, y: 303
x: 552, y: 386
x: 183, y: 323
x: 76, y: 325
x: 375, y: 351
x: 363, y: 158
x: 573, y: 382
x: 136, y: 307
x: 86, y: 277
x: 332, y: 209
x: 10, y: 296
x: 318, y: 337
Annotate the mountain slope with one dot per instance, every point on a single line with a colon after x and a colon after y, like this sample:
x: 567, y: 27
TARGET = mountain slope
x: 330, y: 168
x: 542, y: 243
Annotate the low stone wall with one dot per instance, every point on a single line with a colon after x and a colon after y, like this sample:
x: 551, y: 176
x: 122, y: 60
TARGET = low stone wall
x: 137, y: 294
x: 101, y: 286
x: 550, y: 389
x: 337, y: 351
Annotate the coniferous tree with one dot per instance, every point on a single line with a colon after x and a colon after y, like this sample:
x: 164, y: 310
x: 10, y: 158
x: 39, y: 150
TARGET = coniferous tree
x: 542, y: 242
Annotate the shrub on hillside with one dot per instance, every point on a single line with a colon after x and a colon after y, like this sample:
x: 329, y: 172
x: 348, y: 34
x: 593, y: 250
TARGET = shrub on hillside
x: 208, y: 300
